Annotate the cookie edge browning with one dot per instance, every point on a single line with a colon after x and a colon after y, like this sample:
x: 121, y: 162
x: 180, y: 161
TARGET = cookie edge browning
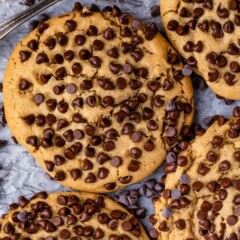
x: 226, y: 91
x: 159, y: 42
x: 108, y: 202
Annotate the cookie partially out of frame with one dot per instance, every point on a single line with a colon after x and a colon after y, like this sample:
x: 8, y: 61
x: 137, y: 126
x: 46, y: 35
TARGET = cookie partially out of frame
x: 201, y: 199
x: 74, y: 216
x: 97, y: 98
x: 206, y: 33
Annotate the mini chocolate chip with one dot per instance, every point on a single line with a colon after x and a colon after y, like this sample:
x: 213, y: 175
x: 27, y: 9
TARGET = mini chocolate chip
x: 136, y: 25
x: 76, y: 68
x: 184, y: 13
x: 228, y: 27
x: 108, y: 146
x: 126, y: 32
x: 40, y: 120
x: 70, y: 25
x: 115, y: 11
x: 116, y: 161
x: 224, y: 165
x: 137, y: 137
x: 172, y: 25
x: 61, y: 73
x: 77, y: 6
x: 114, y: 67
x: 58, y: 59
x: 24, y: 85
x: 182, y: 30
x: 216, y: 29
x: 113, y: 52
x: 167, y: 212
x: 153, y: 85
x: 125, y: 180
x: 42, y: 58
x: 121, y: 83
x: 91, y: 178
x: 232, y: 220
x: 202, y: 169
x: 158, y: 101
x: 127, y: 68
x: 58, y: 89
x: 107, y: 101
x: 98, y: 45
x: 204, y: 26
x: 229, y: 78
x: 50, y: 119
x: 79, y: 40
x: 38, y: 98
x: 42, y: 26
x: 71, y: 88
x: 208, y: 4
x: 45, y: 78
x: 198, y: 12
x: 91, y: 101
x: 62, y: 39
x: 126, y: 47
x: 213, y: 75
x: 123, y: 18
x: 50, y: 43
x: 222, y: 12
x: 149, y: 146
x: 33, y: 44
x: 235, y: 67
x: 155, y: 10
x: 69, y: 55
x: 95, y: 61
x: 24, y: 55
x: 92, y: 31
x: 62, y: 123
x: 108, y: 34
x: 29, y: 119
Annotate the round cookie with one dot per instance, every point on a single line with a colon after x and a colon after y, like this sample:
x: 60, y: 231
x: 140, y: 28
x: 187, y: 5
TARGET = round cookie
x: 96, y: 104
x: 201, y: 199
x: 69, y: 215
x: 207, y: 35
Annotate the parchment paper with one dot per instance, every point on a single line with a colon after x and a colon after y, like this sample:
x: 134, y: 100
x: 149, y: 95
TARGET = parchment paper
x: 19, y: 173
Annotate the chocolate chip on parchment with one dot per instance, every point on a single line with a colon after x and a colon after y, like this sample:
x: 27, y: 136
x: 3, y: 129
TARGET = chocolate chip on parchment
x: 155, y: 10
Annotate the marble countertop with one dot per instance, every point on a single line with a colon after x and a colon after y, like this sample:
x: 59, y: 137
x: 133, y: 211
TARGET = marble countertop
x: 19, y: 173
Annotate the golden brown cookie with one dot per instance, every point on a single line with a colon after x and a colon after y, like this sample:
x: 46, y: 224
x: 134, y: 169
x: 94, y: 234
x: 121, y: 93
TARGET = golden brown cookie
x: 201, y: 199
x: 69, y: 215
x: 97, y: 98
x: 207, y: 35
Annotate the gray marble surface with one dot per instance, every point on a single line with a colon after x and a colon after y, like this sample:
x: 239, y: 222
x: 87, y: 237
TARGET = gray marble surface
x: 19, y: 173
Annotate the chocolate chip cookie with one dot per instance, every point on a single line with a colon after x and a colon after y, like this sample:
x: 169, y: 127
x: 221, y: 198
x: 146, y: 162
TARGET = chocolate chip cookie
x: 201, y: 199
x: 97, y: 98
x: 69, y: 216
x: 206, y: 34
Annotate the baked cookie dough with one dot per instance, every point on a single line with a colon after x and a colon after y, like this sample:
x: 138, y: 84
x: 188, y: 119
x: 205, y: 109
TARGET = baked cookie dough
x: 207, y: 35
x: 69, y: 216
x: 201, y: 199
x: 97, y: 98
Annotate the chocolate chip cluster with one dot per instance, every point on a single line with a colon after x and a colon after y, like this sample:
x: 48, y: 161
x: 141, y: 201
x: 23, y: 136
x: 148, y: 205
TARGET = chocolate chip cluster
x: 68, y: 216
x: 102, y: 108
x: 207, y: 187
x: 202, y: 25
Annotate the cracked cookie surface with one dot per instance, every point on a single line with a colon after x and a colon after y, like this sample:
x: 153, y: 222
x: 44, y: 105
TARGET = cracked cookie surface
x: 97, y: 98
x: 206, y: 33
x: 69, y: 215
x: 201, y: 199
